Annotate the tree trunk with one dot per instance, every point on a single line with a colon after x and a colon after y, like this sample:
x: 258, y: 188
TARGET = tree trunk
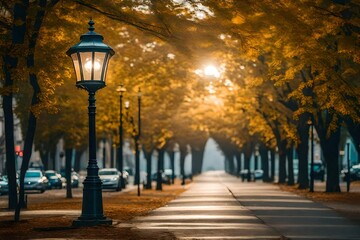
x: 290, y: 158
x: 68, y: 158
x: 30, y: 134
x: 302, y: 150
x: 230, y: 160
x: 329, y: 142
x: 44, y: 155
x: 10, y: 62
x: 330, y: 148
x: 354, y: 131
x: 53, y: 157
x: 256, y: 161
x: 264, y: 162
x: 29, y: 139
x: 198, y: 156
x: 282, y: 161
x: 172, y: 162
x: 77, y: 160
x: 182, y: 163
x: 104, y: 153
x: 247, y: 157
x: 238, y: 161
x: 148, y: 156
x: 272, y: 167
x: 160, y: 169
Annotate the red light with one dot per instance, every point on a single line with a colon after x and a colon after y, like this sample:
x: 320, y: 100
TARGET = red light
x: 17, y: 148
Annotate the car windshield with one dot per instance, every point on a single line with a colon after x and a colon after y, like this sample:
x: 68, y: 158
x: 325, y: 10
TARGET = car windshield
x: 32, y: 174
x: 50, y: 174
x: 108, y: 173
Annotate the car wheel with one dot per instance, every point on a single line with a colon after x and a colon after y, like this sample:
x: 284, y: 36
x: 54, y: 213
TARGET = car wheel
x: 42, y: 190
x: 118, y: 187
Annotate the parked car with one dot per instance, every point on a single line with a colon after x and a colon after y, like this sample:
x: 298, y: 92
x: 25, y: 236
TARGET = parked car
x: 252, y: 175
x: 125, y: 176
x: 319, y: 171
x: 75, y: 178
x: 110, y: 178
x: 35, y: 180
x: 354, y: 173
x: 129, y: 170
x: 165, y: 179
x: 258, y: 174
x: 54, y: 179
x: 4, y: 185
x: 169, y: 173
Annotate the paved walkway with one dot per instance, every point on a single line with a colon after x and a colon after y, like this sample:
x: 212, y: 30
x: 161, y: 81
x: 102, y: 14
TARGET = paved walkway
x: 220, y: 206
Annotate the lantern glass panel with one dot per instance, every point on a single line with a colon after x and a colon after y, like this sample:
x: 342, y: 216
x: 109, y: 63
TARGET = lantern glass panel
x: 107, y: 58
x: 75, y: 60
x: 98, y: 65
x: 87, y: 65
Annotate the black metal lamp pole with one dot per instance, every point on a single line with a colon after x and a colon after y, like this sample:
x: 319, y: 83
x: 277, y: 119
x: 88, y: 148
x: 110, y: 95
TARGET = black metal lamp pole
x: 90, y: 58
x: 136, y: 135
x: 121, y: 90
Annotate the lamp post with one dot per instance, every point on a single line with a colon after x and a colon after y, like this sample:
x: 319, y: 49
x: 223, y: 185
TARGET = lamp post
x: 137, y: 134
x: 120, y: 166
x: 310, y: 122
x: 90, y: 59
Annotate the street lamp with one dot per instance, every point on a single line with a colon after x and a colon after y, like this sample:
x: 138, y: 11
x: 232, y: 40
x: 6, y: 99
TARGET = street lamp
x: 121, y: 90
x: 90, y: 58
x: 311, y: 124
x: 136, y: 135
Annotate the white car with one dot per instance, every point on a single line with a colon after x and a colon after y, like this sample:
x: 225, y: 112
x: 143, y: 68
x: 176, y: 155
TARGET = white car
x: 35, y: 180
x: 110, y: 178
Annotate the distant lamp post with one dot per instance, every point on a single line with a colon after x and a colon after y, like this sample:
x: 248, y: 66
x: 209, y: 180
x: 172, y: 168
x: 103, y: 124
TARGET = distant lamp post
x: 136, y: 135
x: 311, y: 124
x: 90, y: 58
x: 121, y: 91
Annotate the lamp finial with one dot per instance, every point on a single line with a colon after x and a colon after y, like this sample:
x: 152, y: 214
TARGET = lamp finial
x: 91, y: 24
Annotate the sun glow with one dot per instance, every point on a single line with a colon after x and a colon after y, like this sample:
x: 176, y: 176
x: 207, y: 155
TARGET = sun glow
x: 211, y: 71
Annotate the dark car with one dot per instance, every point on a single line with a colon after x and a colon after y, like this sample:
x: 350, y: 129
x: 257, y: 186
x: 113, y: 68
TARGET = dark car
x: 164, y: 177
x: 4, y: 185
x: 54, y: 179
x: 319, y: 171
x: 75, y: 178
x: 35, y: 180
x: 354, y: 173
x: 129, y: 170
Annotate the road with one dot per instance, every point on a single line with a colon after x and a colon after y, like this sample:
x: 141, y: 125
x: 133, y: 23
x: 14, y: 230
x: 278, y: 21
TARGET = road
x: 220, y: 206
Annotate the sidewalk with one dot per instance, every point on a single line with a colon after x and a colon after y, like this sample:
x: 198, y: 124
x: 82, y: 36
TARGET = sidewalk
x: 220, y: 206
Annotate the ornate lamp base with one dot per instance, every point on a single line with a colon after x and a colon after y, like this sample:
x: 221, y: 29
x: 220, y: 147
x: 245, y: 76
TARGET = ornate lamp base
x: 91, y: 222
